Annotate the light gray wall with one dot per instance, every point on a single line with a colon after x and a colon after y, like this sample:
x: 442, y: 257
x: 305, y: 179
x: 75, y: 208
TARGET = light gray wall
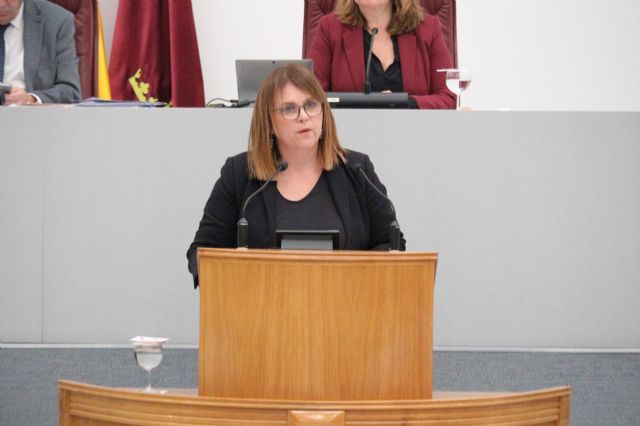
x: 524, y: 55
x: 536, y: 218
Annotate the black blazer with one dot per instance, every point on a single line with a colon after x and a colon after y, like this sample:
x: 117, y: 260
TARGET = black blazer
x: 366, y: 216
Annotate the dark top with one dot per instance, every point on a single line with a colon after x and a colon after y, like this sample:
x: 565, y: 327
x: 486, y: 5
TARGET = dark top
x: 381, y: 79
x: 303, y: 214
x: 365, y: 215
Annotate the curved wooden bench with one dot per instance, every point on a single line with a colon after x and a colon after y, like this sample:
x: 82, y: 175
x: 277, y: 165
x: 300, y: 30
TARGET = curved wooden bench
x: 89, y: 405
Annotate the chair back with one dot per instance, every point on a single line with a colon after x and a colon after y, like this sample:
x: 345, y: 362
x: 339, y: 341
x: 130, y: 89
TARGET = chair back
x: 86, y: 20
x: 445, y: 10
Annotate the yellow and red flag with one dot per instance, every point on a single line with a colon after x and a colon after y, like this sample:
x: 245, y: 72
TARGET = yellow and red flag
x: 154, y: 55
x: 104, y: 86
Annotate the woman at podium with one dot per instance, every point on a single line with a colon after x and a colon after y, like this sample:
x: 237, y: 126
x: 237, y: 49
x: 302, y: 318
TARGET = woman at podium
x: 408, y: 49
x: 313, y: 182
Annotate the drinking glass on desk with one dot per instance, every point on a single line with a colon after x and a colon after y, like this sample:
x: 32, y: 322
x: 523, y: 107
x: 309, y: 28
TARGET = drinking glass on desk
x: 457, y: 82
x: 148, y: 354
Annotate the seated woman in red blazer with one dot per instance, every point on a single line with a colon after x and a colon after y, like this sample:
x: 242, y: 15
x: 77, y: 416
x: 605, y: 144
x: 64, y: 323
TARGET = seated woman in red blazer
x: 407, y: 51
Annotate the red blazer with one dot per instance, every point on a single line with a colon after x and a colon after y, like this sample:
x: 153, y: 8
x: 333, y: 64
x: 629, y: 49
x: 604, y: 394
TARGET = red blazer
x: 337, y: 51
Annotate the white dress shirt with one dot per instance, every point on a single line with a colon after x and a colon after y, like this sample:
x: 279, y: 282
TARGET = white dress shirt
x: 14, y: 51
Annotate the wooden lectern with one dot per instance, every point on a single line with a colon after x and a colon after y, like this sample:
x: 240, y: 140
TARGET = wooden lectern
x: 313, y: 338
x: 316, y: 326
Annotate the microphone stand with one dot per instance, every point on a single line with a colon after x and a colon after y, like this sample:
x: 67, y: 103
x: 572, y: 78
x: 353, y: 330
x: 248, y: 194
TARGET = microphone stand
x: 394, y: 227
x: 367, y: 83
x: 242, y: 227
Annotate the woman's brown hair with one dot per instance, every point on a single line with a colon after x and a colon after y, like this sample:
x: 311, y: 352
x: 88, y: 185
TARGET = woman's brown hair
x: 263, y: 153
x: 406, y: 15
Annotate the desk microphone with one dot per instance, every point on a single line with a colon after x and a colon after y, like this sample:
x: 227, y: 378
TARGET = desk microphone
x: 367, y: 83
x: 243, y: 224
x: 394, y: 227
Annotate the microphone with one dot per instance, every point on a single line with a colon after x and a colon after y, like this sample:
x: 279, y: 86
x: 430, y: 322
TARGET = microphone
x: 243, y: 225
x: 367, y: 83
x: 394, y: 227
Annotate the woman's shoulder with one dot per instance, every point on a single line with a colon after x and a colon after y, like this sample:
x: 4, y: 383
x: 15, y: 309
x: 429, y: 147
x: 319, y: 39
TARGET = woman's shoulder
x: 428, y: 26
x: 237, y: 160
x: 354, y: 157
x: 236, y: 167
x: 331, y: 21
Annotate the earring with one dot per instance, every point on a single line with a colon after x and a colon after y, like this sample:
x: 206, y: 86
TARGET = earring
x: 272, y: 141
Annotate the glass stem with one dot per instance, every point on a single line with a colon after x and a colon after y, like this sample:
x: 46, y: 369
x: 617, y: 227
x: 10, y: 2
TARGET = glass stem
x: 148, y: 380
x: 458, y: 102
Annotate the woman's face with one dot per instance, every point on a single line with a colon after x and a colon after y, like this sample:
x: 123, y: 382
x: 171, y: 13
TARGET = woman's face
x: 297, y: 119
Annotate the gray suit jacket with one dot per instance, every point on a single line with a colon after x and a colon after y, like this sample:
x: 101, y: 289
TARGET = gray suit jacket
x: 50, y: 62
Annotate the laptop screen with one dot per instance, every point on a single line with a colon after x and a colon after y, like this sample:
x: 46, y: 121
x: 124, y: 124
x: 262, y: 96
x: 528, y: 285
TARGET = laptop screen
x: 251, y: 72
x: 308, y: 239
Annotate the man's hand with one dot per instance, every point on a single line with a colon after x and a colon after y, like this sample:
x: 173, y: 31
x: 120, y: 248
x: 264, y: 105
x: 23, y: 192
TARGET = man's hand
x: 19, y: 96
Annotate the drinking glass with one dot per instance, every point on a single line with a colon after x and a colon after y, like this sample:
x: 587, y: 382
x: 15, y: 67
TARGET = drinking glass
x: 148, y: 354
x: 458, y: 80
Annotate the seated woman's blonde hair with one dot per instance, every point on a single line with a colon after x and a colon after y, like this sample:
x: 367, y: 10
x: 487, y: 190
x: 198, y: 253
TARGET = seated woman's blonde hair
x: 263, y: 155
x: 407, y: 15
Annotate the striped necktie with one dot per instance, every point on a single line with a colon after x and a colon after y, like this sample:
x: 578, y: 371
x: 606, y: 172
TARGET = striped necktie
x: 2, y: 28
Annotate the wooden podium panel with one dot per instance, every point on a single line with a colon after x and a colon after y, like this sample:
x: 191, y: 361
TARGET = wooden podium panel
x: 88, y: 405
x: 322, y: 326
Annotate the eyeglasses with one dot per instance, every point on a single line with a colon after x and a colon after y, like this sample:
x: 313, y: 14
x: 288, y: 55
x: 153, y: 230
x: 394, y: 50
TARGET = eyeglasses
x: 292, y: 111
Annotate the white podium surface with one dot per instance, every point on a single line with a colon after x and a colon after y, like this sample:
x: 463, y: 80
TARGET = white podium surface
x: 535, y: 216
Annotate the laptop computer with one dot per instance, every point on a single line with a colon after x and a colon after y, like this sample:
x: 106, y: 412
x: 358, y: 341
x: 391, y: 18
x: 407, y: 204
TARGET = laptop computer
x: 398, y: 100
x: 251, y: 72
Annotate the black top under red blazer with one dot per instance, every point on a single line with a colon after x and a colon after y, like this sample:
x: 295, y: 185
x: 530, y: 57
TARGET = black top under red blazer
x: 366, y: 216
x: 337, y: 51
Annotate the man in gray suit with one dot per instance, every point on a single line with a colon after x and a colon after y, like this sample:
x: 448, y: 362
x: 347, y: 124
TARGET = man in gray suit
x: 39, y: 58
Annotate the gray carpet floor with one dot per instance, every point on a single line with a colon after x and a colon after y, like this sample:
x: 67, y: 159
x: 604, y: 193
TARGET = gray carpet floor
x: 606, y: 387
